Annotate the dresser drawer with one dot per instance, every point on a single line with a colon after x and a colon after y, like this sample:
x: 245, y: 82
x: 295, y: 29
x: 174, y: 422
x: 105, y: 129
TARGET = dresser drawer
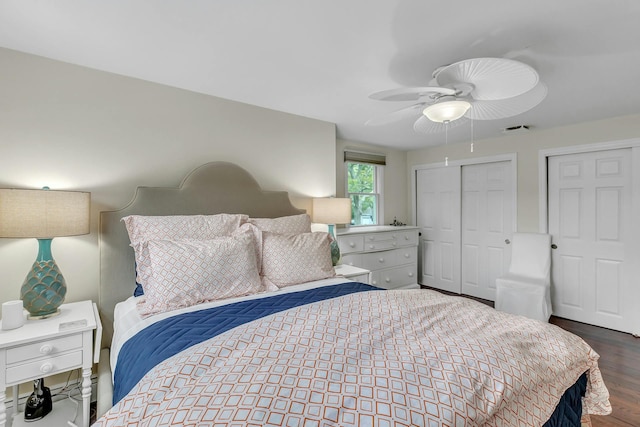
x: 406, y: 255
x: 385, y: 259
x: 380, y: 245
x: 390, y: 240
x: 43, y: 367
x: 348, y: 244
x: 379, y: 260
x: 49, y: 347
x: 406, y: 238
x: 395, y: 277
x: 352, y: 259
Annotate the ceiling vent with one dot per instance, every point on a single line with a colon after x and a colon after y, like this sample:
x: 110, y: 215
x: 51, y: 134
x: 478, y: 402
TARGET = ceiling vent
x: 516, y: 129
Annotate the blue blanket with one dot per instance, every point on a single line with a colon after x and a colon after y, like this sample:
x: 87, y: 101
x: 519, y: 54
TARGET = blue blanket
x: 168, y: 337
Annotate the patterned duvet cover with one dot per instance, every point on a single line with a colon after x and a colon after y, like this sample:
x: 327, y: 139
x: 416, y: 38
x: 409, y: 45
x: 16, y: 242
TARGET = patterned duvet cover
x: 383, y: 358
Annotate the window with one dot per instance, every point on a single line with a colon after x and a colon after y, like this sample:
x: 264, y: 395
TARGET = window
x: 364, y: 187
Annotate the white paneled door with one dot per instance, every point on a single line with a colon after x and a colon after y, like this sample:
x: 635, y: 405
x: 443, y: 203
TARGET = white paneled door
x: 590, y: 219
x: 438, y: 216
x: 465, y: 215
x: 487, y: 200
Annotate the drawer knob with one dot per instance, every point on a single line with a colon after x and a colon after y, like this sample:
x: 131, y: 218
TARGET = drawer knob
x: 395, y: 244
x: 387, y: 280
x: 407, y: 255
x: 46, y: 349
x: 371, y: 238
x: 406, y: 237
x: 46, y: 368
x: 372, y: 246
x: 352, y: 245
x: 374, y: 282
x: 411, y: 274
x: 381, y: 260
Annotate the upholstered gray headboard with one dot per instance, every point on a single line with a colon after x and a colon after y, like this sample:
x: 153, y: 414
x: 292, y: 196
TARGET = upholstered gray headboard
x: 217, y: 187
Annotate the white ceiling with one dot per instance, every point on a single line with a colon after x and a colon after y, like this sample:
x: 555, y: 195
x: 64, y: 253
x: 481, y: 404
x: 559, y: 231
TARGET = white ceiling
x: 322, y: 58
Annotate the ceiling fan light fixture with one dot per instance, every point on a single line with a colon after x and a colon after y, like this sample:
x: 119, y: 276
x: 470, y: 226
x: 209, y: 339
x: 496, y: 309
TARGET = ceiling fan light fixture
x: 446, y: 111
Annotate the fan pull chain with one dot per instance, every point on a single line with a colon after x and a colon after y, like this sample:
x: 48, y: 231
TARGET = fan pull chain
x: 471, y: 129
x: 446, y: 140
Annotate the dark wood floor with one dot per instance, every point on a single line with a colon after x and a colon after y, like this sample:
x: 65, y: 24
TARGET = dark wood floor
x: 619, y: 364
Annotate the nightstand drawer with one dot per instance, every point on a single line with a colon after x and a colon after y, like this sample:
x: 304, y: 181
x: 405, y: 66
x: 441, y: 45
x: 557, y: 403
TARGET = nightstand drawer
x: 44, y: 367
x: 43, y: 348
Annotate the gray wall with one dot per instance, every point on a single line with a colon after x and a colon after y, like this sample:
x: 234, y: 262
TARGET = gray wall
x: 71, y: 127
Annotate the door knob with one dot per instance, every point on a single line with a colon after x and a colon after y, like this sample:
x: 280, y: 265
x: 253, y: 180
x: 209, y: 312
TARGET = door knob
x: 507, y: 241
x: 554, y: 246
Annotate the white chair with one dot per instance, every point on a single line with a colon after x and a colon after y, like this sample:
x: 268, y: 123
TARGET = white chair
x: 526, y: 288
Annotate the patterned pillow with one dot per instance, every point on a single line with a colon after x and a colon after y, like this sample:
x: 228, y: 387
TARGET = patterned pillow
x: 189, y: 272
x: 293, y: 224
x: 198, y: 227
x: 289, y: 259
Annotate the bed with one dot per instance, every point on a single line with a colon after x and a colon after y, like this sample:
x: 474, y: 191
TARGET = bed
x: 325, y: 351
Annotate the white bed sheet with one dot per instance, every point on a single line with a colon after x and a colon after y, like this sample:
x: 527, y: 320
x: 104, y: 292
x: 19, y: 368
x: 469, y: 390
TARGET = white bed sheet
x: 128, y: 322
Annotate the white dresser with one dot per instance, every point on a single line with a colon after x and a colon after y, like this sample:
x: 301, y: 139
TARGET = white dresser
x: 389, y: 252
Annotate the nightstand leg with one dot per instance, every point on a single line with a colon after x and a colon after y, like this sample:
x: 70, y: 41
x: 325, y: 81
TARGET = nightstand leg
x: 16, y: 401
x: 86, y: 396
x: 3, y: 407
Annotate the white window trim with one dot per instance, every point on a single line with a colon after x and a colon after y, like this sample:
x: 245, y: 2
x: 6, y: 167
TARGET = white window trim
x: 379, y: 192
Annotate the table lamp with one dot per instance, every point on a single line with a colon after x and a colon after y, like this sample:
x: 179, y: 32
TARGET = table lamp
x: 331, y: 211
x: 43, y: 214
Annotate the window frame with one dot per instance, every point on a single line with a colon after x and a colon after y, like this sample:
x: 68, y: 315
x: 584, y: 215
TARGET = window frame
x: 378, y: 193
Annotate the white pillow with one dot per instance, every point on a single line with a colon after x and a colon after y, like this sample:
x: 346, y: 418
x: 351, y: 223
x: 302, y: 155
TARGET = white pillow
x: 290, y: 259
x: 189, y: 272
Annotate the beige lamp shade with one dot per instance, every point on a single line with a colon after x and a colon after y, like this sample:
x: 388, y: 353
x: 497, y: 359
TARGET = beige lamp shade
x: 332, y: 210
x: 43, y: 214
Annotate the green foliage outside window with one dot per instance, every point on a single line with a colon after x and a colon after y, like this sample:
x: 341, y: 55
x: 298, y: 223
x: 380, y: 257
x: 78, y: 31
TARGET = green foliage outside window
x: 362, y: 190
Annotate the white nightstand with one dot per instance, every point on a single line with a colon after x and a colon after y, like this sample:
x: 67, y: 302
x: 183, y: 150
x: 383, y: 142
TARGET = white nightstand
x: 42, y: 348
x: 356, y: 274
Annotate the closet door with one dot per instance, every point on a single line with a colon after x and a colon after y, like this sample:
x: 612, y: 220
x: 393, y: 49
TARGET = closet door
x: 438, y: 216
x: 590, y: 219
x: 487, y: 222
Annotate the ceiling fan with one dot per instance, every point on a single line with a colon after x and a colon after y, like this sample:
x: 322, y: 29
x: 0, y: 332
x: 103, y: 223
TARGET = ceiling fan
x: 477, y: 89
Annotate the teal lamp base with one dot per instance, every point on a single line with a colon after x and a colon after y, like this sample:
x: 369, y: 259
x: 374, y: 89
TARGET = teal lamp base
x: 44, y: 288
x: 335, y: 249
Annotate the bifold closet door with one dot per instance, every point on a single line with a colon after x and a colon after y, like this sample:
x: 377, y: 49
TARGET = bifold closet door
x: 487, y: 222
x: 438, y: 216
x: 465, y: 215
